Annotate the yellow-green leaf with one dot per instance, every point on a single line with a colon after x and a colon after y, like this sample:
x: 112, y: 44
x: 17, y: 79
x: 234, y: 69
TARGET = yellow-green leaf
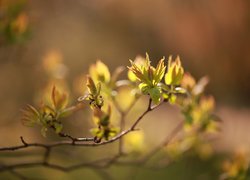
x: 99, y: 72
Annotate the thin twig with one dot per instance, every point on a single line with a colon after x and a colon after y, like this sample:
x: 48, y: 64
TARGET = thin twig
x: 18, y: 175
x: 167, y: 140
x: 146, y: 158
x: 93, y: 164
x: 122, y: 126
x: 79, y: 142
x: 143, y: 114
x: 123, y: 114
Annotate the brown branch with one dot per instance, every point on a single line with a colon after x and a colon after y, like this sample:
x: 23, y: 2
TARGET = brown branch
x: 122, y: 126
x: 80, y: 141
x: 145, y: 112
x: 63, y: 143
x: 123, y: 114
x: 98, y: 164
x: 85, y: 142
x: 93, y: 164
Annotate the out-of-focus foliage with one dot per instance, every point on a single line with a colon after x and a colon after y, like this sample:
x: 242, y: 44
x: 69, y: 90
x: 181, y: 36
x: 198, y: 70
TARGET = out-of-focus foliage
x: 134, y: 142
x: 54, y: 66
x: 237, y: 167
x: 197, y: 108
x: 199, y: 119
x: 14, y: 21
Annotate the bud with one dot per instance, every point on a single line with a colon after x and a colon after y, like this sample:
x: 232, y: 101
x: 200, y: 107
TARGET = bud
x: 175, y: 72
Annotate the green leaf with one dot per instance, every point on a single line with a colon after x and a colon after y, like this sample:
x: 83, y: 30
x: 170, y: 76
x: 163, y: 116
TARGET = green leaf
x: 175, y: 72
x: 159, y: 71
x: 172, y: 99
x: 144, y: 88
x: 165, y: 96
x: 91, y: 86
x: 58, y: 127
x: 104, y: 121
x: 155, y: 94
x: 59, y: 100
x: 97, y: 132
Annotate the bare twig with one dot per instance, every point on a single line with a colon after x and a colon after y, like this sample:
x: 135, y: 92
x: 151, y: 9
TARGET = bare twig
x: 147, y: 157
x: 85, y: 142
x: 123, y: 114
x: 168, y: 139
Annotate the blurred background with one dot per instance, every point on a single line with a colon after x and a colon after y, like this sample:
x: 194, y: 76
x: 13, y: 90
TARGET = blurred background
x: 59, y: 39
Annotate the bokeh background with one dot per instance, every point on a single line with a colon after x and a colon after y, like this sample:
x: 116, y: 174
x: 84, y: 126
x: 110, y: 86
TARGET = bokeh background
x: 211, y: 37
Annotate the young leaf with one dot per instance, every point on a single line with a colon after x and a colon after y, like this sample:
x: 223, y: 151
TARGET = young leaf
x: 60, y: 100
x: 58, y: 127
x: 99, y: 72
x: 155, y: 94
x: 30, y: 116
x: 91, y: 86
x: 175, y: 72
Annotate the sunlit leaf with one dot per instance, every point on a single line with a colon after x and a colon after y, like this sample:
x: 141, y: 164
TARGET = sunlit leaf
x: 91, y: 86
x: 172, y: 99
x: 60, y: 100
x: 175, y: 72
x: 139, y: 61
x: 99, y: 72
x: 58, y: 127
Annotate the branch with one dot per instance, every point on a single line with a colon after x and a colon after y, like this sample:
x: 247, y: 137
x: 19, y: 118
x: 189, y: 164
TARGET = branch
x: 168, y: 139
x: 123, y: 114
x: 80, y: 141
x: 84, y: 142
x: 93, y: 164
